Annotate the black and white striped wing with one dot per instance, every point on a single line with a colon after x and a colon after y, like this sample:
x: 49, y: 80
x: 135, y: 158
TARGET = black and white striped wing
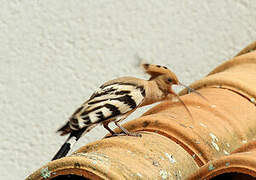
x: 109, y: 101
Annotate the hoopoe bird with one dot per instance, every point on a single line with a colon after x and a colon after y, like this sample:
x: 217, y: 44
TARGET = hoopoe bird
x: 117, y: 99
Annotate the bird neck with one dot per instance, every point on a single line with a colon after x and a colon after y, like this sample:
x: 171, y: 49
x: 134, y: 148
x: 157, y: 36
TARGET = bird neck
x: 153, y: 93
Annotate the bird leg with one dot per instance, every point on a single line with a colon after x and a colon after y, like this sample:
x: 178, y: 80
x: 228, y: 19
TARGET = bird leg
x: 118, y: 120
x: 105, y: 125
x: 126, y: 131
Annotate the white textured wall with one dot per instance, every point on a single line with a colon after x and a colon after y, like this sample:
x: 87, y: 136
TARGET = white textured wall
x: 53, y: 54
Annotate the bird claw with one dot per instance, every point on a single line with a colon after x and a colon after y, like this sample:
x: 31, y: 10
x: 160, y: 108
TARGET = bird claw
x: 115, y: 135
x: 134, y: 134
x: 124, y: 134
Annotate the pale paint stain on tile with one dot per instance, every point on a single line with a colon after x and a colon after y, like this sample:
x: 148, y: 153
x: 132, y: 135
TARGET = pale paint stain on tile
x: 163, y: 174
x: 178, y: 175
x: 170, y: 157
x: 214, y: 141
x: 203, y: 125
x: 213, y: 106
x: 45, y: 173
x: 138, y: 174
x: 155, y: 163
x: 252, y: 100
x: 214, y: 138
x: 211, y: 167
x: 215, y: 146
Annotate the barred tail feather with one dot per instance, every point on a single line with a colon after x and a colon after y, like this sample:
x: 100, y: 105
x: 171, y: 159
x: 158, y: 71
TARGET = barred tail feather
x: 62, y: 152
x: 65, y: 148
x: 64, y: 129
x: 72, y: 139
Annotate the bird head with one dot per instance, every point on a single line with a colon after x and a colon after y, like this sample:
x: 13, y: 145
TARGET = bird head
x: 163, y: 76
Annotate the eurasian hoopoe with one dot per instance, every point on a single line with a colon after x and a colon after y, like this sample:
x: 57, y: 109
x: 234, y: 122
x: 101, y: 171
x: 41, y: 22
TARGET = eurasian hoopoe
x: 117, y: 99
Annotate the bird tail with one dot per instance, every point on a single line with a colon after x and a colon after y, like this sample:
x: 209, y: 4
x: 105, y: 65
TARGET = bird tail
x: 72, y: 139
x: 64, y: 130
x: 66, y: 147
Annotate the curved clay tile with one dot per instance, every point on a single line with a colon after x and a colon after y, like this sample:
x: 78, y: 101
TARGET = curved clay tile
x: 174, y: 145
x: 241, y: 164
x: 251, y: 47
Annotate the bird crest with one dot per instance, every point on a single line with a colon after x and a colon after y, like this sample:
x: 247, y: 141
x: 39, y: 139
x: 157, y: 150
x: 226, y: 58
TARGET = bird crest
x: 157, y: 70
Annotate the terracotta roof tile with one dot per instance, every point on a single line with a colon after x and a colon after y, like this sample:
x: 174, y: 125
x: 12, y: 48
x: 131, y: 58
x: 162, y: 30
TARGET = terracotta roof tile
x: 217, y: 141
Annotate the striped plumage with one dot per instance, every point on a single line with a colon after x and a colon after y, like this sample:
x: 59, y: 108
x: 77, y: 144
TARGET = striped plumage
x: 115, y: 100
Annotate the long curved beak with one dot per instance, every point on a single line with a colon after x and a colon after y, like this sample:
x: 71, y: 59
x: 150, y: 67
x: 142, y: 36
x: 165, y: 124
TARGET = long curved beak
x: 192, y: 90
x: 180, y: 100
x: 187, y: 87
x: 183, y: 85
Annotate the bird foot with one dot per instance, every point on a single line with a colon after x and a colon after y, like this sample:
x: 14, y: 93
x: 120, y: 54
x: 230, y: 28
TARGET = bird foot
x: 134, y: 134
x: 115, y: 135
x: 124, y: 134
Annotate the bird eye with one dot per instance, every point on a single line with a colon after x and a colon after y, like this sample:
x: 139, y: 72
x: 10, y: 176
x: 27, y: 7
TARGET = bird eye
x: 169, y: 80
